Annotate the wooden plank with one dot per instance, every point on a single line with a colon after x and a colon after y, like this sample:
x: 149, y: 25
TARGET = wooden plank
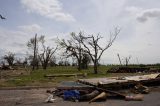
x: 66, y: 75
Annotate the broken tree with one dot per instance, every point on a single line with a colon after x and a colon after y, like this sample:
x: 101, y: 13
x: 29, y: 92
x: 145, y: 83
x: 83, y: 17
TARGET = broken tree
x: 94, y: 49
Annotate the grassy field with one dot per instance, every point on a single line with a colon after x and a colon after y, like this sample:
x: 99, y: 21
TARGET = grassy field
x: 22, y: 77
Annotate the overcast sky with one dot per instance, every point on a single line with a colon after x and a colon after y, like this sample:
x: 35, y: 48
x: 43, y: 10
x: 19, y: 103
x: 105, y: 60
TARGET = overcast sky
x: 139, y: 21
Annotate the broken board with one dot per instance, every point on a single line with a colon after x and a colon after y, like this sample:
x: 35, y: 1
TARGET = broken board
x: 123, y: 82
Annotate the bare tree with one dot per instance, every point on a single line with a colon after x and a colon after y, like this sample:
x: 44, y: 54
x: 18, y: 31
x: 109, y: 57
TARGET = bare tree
x: 92, y: 47
x: 127, y: 59
x: 119, y: 59
x: 10, y: 57
x: 46, y: 53
x: 73, y: 48
x: 33, y: 46
x: 46, y: 56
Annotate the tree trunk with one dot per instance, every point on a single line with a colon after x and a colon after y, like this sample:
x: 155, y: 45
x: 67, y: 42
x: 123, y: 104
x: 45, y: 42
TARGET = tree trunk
x: 37, y: 65
x: 34, y: 56
x: 45, y: 66
x: 126, y: 62
x: 79, y: 65
x: 95, y: 67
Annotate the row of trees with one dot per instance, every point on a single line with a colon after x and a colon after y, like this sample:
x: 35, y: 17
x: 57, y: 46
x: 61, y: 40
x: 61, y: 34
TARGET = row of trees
x: 12, y: 60
x: 83, y: 48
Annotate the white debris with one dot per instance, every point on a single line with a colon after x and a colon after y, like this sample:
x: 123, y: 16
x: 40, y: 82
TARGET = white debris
x: 50, y: 99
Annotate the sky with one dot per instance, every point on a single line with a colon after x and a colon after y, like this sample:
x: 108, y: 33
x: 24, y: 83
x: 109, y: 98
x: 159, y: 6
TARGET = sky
x: 139, y: 21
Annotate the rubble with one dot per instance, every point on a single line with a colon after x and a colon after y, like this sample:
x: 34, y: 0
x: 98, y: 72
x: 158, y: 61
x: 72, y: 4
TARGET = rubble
x: 6, y: 67
x: 139, y: 88
x: 117, y: 83
x: 50, y: 99
x: 102, y: 95
x: 128, y: 69
x: 89, y: 96
x: 138, y: 97
x: 123, y: 69
x: 102, y: 88
x: 72, y: 95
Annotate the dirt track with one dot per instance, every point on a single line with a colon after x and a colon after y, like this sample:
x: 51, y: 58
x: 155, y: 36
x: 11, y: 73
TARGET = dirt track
x: 36, y: 97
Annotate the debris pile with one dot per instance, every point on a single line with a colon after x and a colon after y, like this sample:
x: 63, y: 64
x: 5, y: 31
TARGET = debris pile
x: 132, y: 70
x: 139, y: 88
x: 99, y: 89
x: 6, y: 67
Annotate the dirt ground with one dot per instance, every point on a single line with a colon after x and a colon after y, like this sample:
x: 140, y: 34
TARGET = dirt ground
x: 37, y: 97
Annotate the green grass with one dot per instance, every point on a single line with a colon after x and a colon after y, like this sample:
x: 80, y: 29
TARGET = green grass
x: 36, y: 77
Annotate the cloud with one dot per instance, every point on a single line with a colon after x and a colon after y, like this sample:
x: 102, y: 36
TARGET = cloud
x: 48, y: 8
x: 17, y: 44
x: 12, y: 41
x: 149, y: 13
x: 15, y: 40
x: 133, y: 10
x: 30, y: 28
